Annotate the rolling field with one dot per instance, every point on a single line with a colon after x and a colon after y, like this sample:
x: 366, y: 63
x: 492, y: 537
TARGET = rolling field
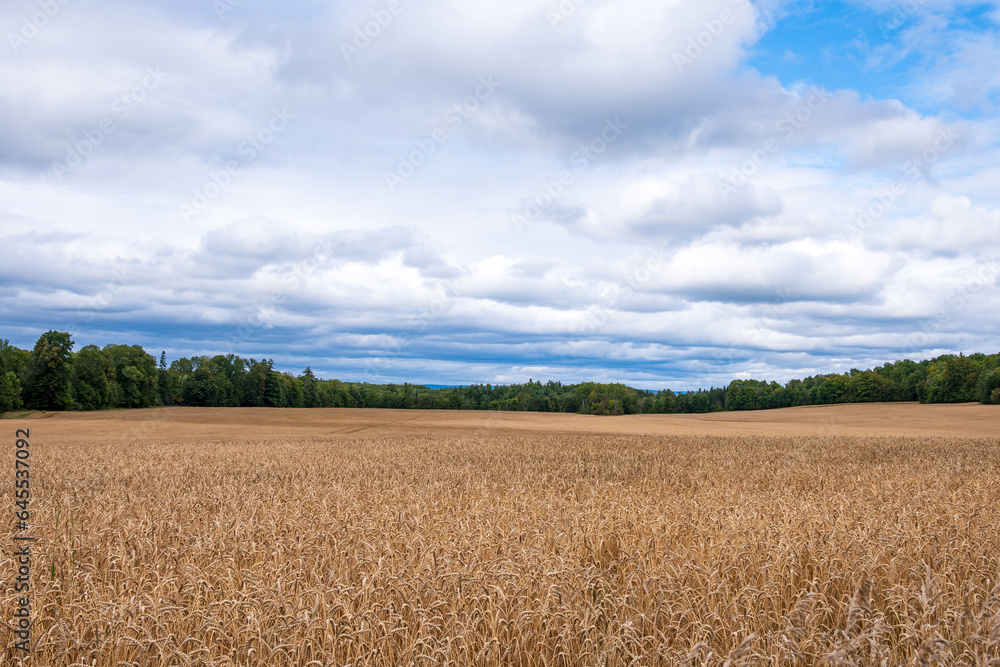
x: 842, y: 535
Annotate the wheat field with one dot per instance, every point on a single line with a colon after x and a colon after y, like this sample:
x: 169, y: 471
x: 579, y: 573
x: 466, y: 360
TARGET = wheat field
x: 853, y: 535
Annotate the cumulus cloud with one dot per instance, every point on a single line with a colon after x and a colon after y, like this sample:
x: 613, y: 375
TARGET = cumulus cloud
x: 797, y: 271
x: 695, y: 206
x: 951, y: 226
x: 703, y: 238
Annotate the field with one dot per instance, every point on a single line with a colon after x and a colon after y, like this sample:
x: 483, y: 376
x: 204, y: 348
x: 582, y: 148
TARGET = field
x: 843, y: 535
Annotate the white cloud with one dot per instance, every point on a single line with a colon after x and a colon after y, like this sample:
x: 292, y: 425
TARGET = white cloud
x: 692, y: 207
x: 760, y: 273
x: 952, y: 225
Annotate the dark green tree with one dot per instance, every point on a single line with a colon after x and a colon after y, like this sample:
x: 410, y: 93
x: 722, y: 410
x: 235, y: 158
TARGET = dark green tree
x: 182, y: 365
x: 952, y: 379
x: 310, y: 388
x: 135, y: 375
x: 93, y: 379
x: 294, y: 391
x: 203, y: 388
x: 46, y: 378
x: 988, y: 386
x: 10, y: 386
x: 743, y: 395
x: 10, y: 392
x: 169, y: 384
x: 274, y: 388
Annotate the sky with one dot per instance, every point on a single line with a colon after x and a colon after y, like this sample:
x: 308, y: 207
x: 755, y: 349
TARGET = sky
x: 660, y: 193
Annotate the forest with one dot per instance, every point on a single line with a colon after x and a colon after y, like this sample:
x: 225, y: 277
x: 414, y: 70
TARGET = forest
x: 51, y: 376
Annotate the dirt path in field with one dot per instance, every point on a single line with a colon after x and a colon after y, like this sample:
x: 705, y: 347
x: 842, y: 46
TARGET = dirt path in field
x: 186, y: 424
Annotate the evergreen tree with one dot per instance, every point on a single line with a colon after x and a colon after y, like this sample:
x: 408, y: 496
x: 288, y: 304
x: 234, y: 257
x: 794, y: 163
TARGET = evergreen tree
x: 310, y: 388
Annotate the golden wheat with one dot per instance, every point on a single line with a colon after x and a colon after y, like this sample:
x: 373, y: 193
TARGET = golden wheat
x: 494, y: 548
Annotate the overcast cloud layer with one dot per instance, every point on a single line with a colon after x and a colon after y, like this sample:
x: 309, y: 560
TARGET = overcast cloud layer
x: 662, y: 193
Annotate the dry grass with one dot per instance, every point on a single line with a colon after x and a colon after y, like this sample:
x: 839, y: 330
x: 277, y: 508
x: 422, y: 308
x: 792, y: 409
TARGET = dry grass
x: 492, y: 546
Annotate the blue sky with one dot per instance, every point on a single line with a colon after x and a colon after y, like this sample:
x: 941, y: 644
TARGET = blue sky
x: 657, y: 193
x: 879, y: 49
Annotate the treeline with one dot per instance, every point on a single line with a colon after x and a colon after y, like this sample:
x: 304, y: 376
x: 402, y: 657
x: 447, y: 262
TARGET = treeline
x: 946, y: 379
x: 53, y: 377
